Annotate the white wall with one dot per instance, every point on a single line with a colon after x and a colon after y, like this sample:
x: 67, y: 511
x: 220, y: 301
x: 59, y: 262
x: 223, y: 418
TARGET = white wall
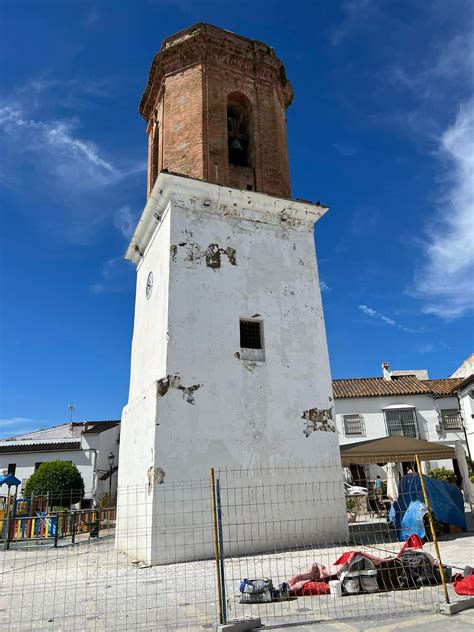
x: 218, y: 409
x: 466, y: 368
x: 427, y: 415
x: 25, y: 464
x: 149, y: 343
x: 92, y: 456
x: 103, y: 443
x: 466, y: 398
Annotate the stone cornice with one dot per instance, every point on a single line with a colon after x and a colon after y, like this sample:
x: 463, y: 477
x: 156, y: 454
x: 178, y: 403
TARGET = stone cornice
x: 204, y: 197
x: 208, y: 44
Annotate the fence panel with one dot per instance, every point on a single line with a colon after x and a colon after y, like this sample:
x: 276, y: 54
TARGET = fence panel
x: 151, y: 565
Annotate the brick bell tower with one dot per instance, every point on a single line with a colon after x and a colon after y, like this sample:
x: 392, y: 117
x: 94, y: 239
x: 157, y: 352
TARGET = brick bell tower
x: 229, y: 360
x: 215, y: 108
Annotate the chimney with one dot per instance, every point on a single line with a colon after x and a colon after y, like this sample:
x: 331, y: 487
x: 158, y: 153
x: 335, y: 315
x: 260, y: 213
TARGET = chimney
x: 386, y: 371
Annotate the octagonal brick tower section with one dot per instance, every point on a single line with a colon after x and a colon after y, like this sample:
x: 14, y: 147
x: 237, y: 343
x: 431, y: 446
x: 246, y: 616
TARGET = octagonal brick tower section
x: 215, y: 105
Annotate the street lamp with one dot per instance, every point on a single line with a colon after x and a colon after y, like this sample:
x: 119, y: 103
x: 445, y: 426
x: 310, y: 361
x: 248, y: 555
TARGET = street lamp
x: 111, y: 466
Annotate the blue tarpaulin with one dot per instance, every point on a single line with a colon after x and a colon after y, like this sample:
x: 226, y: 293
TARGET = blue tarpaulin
x: 446, y: 502
x: 412, y: 521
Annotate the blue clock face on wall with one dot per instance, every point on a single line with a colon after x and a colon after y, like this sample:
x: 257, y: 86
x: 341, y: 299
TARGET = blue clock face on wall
x: 149, y: 285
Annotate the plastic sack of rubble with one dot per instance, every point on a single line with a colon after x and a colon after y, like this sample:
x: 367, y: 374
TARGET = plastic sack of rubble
x: 256, y: 590
x: 422, y: 569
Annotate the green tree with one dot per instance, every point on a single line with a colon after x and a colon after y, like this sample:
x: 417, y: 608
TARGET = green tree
x: 443, y: 474
x: 60, y: 481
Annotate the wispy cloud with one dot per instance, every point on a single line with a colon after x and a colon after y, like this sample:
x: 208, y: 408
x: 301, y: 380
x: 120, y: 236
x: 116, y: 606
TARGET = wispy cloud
x: 346, y: 149
x: 445, y: 278
x: 125, y: 221
x: 45, y: 93
x: 324, y: 286
x: 75, y: 160
x: 437, y: 111
x: 447, y: 65
x: 116, y: 276
x: 73, y: 177
x: 427, y: 347
x: 12, y: 426
x: 357, y: 15
x: 372, y: 313
x: 91, y: 18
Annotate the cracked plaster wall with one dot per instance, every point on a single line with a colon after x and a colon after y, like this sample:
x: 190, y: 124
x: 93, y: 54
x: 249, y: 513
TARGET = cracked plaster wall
x: 243, y: 413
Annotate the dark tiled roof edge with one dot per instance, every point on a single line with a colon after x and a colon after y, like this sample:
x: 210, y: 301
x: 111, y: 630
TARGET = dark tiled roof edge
x: 19, y: 447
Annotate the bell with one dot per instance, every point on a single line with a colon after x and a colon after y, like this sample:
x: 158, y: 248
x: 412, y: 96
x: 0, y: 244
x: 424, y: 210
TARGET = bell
x: 236, y: 144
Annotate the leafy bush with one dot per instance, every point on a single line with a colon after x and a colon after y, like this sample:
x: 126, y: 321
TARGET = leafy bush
x: 60, y: 481
x: 350, y: 505
x: 443, y: 474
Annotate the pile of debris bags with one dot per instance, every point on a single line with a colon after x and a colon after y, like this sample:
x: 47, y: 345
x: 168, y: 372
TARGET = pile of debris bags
x: 353, y: 573
x: 262, y: 591
x: 361, y: 572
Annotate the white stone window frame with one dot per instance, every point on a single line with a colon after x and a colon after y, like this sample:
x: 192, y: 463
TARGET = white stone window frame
x: 356, y: 418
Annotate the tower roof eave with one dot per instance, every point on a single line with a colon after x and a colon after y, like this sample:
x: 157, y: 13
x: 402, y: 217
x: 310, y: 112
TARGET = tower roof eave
x: 182, y: 49
x: 215, y: 198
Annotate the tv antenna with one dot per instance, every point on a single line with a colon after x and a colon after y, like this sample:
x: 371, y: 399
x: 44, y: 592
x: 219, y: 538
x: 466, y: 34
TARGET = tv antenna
x: 71, y: 408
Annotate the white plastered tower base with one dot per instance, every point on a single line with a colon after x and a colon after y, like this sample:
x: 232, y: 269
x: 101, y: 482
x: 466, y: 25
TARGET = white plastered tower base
x: 213, y: 256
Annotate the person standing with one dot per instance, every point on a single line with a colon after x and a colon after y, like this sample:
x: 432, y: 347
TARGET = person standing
x: 378, y: 489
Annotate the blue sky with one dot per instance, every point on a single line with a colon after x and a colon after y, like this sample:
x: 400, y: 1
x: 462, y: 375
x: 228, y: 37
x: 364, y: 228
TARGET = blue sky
x: 381, y: 130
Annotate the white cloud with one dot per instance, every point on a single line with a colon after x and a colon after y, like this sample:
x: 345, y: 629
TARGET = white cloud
x: 76, y: 161
x: 125, y: 221
x: 372, y: 313
x: 324, y: 286
x: 73, y: 181
x: 445, y: 278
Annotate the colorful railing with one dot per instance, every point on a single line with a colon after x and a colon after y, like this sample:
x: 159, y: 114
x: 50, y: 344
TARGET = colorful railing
x: 56, y: 525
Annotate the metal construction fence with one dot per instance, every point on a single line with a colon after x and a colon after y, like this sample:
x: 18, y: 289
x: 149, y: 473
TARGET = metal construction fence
x: 284, y: 544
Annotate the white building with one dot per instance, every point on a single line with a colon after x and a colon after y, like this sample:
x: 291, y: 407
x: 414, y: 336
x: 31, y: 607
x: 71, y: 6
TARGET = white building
x: 229, y: 363
x: 87, y: 444
x: 400, y: 403
x: 466, y: 369
x: 465, y: 392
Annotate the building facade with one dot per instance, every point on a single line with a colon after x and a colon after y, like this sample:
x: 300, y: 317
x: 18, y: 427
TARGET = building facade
x: 222, y: 372
x: 465, y: 392
x: 87, y: 444
x: 403, y: 403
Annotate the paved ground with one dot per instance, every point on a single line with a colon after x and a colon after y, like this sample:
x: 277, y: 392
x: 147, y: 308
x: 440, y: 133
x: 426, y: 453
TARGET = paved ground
x: 91, y: 586
x: 461, y: 622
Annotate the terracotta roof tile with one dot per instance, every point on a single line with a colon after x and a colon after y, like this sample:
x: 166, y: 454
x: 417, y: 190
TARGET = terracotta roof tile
x: 398, y: 385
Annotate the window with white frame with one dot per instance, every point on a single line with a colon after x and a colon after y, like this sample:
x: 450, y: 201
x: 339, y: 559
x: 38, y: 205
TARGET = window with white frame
x: 401, y: 422
x: 353, y: 424
x: 451, y: 419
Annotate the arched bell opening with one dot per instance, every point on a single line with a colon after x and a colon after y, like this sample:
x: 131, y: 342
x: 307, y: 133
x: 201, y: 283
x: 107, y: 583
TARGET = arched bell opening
x: 239, y: 130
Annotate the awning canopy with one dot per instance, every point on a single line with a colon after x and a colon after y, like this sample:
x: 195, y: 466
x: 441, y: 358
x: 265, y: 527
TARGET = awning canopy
x: 393, y: 450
